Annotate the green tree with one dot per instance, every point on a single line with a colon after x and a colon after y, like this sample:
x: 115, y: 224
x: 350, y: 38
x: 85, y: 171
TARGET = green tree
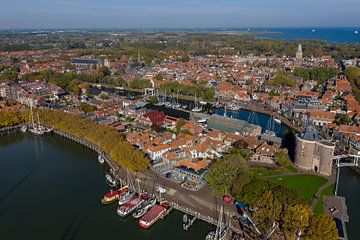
x: 282, y: 158
x: 283, y: 79
x: 222, y: 175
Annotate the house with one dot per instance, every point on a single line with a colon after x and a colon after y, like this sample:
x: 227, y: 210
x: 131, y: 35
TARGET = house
x: 264, y: 153
x: 321, y: 118
x: 154, y: 118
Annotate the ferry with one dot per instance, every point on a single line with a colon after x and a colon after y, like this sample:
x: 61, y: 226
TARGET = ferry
x: 147, y: 205
x: 112, y: 196
x: 152, y: 216
x: 126, y: 197
x: 278, y: 121
x: 130, y: 206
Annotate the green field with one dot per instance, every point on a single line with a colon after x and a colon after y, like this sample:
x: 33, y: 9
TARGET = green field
x: 329, y: 191
x: 306, y: 185
x: 267, y: 172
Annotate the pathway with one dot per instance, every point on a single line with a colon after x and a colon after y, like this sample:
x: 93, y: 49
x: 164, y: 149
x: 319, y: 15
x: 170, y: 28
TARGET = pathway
x: 331, y: 180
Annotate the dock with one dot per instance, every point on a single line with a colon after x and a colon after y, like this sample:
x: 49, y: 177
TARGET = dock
x: 340, y: 214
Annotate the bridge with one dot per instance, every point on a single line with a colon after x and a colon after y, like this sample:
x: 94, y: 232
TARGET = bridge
x: 340, y: 163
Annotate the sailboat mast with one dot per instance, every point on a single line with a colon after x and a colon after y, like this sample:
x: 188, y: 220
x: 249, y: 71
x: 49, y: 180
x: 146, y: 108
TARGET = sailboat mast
x: 38, y: 119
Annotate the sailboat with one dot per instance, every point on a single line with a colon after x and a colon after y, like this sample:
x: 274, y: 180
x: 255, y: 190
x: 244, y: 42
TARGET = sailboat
x: 196, y: 108
x: 221, y: 229
x: 35, y: 129
x: 130, y: 193
x: 270, y: 127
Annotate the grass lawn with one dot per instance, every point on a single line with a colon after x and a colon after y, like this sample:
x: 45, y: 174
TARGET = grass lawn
x: 329, y: 191
x: 265, y: 172
x: 306, y: 185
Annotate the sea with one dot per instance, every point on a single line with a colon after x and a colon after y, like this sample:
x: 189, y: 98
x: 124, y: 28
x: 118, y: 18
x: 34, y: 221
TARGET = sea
x: 328, y: 34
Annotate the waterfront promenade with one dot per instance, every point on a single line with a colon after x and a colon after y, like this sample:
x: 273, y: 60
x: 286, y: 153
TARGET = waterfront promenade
x: 203, y: 203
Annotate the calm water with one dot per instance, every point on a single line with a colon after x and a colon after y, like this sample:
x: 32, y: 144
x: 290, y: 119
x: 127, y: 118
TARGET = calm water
x: 256, y: 118
x: 329, y: 34
x: 349, y: 188
x: 50, y: 188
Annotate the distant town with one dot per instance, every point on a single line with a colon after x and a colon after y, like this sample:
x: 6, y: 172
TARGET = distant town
x: 182, y: 108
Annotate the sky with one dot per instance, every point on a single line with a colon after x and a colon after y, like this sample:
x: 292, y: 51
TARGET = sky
x: 177, y: 13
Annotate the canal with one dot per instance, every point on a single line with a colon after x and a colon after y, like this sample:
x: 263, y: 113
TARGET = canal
x: 50, y: 188
x: 349, y: 186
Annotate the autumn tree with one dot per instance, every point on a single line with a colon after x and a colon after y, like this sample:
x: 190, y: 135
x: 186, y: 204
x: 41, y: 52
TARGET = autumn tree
x: 321, y: 227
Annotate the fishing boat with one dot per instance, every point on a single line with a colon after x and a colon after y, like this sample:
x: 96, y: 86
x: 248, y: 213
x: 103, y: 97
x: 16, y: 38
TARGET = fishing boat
x: 146, y: 206
x: 152, y: 216
x: 130, y: 206
x: 112, y: 196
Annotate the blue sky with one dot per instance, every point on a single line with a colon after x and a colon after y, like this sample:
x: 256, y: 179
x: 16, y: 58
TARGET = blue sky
x: 177, y: 13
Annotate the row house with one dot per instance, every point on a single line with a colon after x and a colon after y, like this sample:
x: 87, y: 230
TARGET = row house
x: 321, y: 118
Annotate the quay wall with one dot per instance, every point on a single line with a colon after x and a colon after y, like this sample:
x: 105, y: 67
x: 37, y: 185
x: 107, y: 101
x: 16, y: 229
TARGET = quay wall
x: 116, y: 167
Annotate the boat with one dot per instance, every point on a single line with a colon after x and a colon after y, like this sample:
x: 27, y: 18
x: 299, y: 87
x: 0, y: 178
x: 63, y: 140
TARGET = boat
x: 146, y: 206
x: 152, y: 216
x: 278, y: 121
x: 111, y: 180
x: 221, y: 229
x: 126, y: 197
x: 23, y: 128
x: 112, y: 196
x: 101, y: 159
x: 34, y: 128
x: 131, y: 190
x: 130, y: 206
x: 356, y: 32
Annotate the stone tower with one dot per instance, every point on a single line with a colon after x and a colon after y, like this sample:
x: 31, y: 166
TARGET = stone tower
x: 312, y: 153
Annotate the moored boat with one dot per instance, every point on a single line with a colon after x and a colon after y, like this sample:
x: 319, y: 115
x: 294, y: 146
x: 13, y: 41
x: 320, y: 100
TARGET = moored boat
x: 101, y: 159
x: 23, y: 128
x: 126, y: 197
x: 147, y: 205
x: 151, y: 217
x: 130, y: 206
x: 111, y: 180
x: 278, y: 121
x: 112, y: 196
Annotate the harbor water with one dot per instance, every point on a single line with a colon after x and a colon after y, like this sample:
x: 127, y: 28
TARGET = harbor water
x: 50, y: 188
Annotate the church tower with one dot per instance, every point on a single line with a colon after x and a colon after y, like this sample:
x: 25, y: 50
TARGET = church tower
x: 299, y: 52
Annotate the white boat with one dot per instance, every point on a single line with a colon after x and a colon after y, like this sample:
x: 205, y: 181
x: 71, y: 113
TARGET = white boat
x: 126, y: 197
x: 23, y: 128
x: 101, y: 159
x: 146, y: 207
x: 35, y: 129
x: 278, y: 121
x: 130, y: 206
x: 356, y: 32
x: 111, y: 181
x: 196, y: 109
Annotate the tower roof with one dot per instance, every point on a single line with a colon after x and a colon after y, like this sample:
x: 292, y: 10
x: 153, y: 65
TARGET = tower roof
x: 310, y: 133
